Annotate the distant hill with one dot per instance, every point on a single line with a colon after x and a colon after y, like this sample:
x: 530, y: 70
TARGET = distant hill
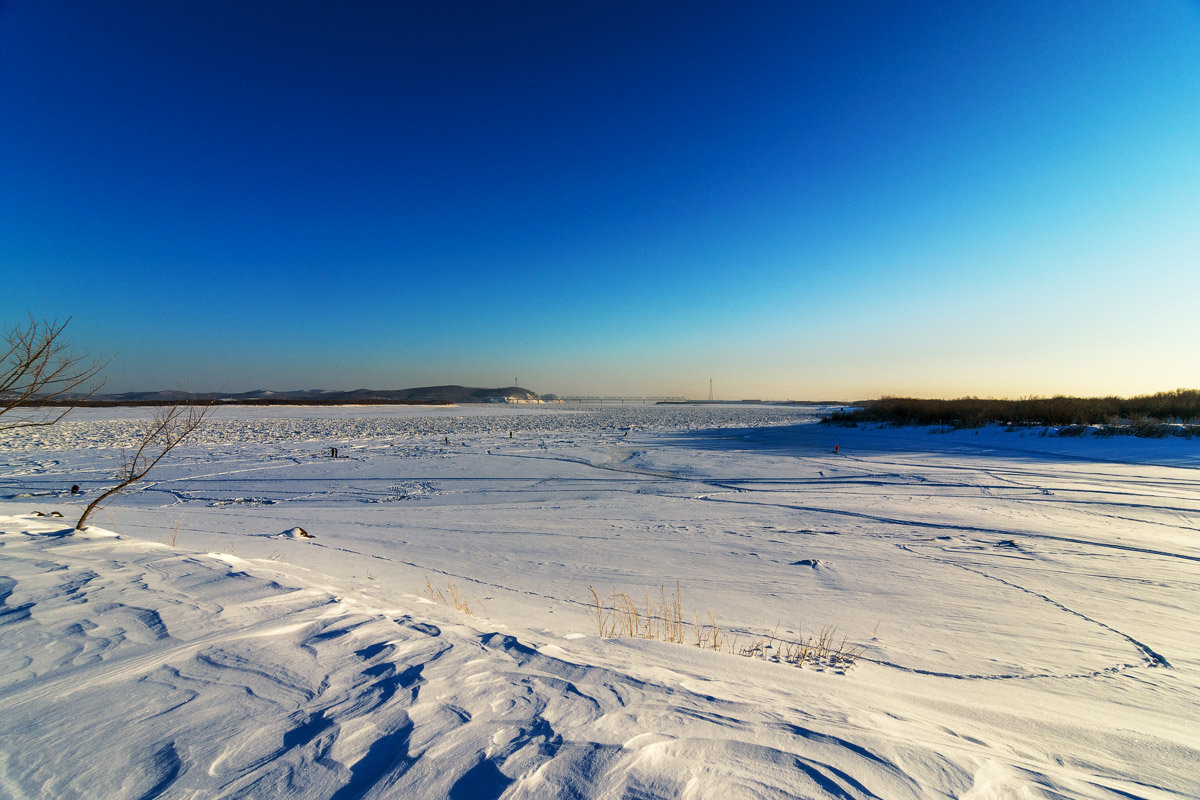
x: 424, y: 396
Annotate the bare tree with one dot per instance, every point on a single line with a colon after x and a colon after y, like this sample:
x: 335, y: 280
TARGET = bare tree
x: 38, y: 367
x: 169, y: 426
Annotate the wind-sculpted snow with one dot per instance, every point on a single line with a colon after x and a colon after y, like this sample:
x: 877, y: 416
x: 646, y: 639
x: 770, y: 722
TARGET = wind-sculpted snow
x: 1024, y: 607
x: 244, y: 687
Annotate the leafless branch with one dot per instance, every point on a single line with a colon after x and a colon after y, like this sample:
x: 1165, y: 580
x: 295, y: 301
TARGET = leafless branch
x: 169, y: 426
x: 39, y: 370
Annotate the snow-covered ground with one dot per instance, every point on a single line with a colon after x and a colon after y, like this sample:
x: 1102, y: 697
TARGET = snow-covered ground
x: 1026, y: 607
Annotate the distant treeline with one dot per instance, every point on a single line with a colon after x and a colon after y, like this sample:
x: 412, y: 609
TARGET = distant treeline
x: 1179, y: 406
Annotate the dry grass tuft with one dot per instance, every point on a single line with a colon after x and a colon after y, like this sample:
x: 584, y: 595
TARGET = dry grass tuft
x: 451, y: 597
x: 661, y: 618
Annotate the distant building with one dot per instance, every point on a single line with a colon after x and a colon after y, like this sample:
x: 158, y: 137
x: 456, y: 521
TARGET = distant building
x: 526, y: 399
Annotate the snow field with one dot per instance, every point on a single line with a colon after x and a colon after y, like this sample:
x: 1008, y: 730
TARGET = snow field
x: 1025, y: 606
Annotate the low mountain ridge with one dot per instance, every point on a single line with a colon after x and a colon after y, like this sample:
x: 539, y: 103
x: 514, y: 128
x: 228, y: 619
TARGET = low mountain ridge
x: 423, y: 395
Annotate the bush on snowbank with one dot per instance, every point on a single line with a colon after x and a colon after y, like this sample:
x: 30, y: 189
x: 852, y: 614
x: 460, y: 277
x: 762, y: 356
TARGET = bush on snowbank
x: 1144, y: 415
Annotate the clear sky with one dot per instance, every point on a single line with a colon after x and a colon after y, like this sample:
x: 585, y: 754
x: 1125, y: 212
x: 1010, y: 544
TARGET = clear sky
x: 795, y: 199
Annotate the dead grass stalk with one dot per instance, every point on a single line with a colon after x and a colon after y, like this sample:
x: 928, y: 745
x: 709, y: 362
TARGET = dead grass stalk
x: 661, y: 618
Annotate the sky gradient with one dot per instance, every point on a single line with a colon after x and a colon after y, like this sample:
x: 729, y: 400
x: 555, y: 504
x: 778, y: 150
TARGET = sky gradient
x: 794, y: 199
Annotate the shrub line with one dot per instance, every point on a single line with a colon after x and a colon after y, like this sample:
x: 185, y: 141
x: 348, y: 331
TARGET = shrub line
x: 1156, y: 415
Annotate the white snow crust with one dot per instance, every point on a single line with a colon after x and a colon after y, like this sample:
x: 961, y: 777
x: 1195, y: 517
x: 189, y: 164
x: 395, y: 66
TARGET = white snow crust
x: 1026, y: 606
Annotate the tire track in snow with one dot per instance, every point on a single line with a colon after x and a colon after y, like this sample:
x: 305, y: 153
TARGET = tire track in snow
x: 738, y: 489
x: 954, y: 527
x: 1150, y: 658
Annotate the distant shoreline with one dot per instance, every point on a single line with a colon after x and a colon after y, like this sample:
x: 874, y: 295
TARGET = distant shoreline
x: 754, y: 403
x: 449, y: 394
x: 258, y: 402
x: 384, y: 402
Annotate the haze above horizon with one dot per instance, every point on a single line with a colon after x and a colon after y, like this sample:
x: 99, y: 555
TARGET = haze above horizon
x: 798, y: 200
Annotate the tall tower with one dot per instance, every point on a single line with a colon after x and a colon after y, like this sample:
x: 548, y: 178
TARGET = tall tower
x: 710, y: 394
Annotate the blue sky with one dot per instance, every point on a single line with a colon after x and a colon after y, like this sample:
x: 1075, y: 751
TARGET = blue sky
x: 797, y: 200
